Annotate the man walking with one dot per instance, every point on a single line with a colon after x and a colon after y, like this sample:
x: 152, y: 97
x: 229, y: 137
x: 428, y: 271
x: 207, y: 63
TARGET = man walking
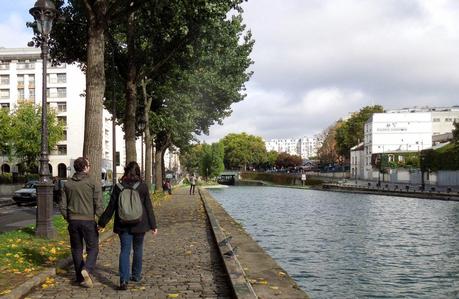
x: 192, y: 183
x: 81, y: 201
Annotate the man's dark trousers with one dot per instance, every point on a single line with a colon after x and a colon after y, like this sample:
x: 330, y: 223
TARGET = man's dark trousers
x: 86, y: 230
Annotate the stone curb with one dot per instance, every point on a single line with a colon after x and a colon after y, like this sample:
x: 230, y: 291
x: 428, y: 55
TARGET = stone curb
x: 241, y: 287
x: 38, y: 279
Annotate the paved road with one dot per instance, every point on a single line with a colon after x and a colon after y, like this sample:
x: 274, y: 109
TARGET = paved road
x: 13, y: 217
x: 181, y: 262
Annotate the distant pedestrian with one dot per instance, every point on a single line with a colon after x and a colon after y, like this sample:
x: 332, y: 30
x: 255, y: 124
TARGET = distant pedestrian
x: 131, y: 232
x: 192, y: 183
x: 81, y: 202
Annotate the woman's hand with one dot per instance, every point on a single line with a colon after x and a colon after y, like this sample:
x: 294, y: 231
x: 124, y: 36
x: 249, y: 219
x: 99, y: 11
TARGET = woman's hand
x: 154, y: 232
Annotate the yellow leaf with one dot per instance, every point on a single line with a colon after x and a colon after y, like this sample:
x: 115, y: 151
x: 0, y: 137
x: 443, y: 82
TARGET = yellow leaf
x: 53, y: 250
x: 13, y: 246
x: 263, y: 282
x: 8, y: 254
x: 142, y: 288
x: 172, y: 295
x: 281, y: 274
x: 274, y: 288
x: 5, y: 292
x: 16, y: 255
x: 188, y: 253
x: 44, y: 286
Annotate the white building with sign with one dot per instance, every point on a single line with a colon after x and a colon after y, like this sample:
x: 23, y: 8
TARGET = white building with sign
x: 305, y: 147
x: 396, y: 132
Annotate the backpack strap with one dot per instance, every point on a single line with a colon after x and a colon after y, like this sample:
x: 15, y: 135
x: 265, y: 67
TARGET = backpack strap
x: 136, y: 185
x: 120, y: 186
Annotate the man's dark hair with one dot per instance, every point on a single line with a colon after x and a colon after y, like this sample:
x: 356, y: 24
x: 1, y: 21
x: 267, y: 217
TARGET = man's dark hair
x: 80, y: 163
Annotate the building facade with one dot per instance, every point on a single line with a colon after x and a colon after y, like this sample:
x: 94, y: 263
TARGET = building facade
x: 305, y: 147
x: 21, y: 81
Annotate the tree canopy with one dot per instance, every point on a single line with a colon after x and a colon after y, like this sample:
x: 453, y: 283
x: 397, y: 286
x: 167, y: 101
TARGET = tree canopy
x: 351, y: 131
x: 242, y: 150
x: 25, y: 133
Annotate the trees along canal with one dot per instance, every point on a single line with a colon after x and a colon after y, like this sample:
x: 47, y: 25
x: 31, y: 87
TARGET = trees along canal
x: 160, y: 40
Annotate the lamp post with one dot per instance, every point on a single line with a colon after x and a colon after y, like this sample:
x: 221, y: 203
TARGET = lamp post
x: 44, y: 12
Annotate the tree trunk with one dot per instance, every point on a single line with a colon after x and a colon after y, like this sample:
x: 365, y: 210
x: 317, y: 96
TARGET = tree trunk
x: 95, y: 85
x: 148, y: 139
x: 131, y: 94
x: 158, y: 169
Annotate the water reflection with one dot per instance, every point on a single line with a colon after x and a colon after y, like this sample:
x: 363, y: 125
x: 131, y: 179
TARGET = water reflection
x: 339, y: 245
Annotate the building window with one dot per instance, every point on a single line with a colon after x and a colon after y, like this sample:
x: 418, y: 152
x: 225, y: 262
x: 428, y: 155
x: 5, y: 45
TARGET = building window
x: 63, y: 120
x: 5, y: 106
x: 61, y: 107
x: 62, y: 149
x: 25, y: 66
x: 32, y: 93
x: 390, y: 158
x: 117, y: 159
x: 436, y: 120
x: 62, y: 92
x: 5, y: 65
x: 20, y: 79
x: 4, y: 93
x: 62, y: 78
x: 448, y: 120
x: 401, y: 158
x: 65, y: 135
x: 20, y: 93
x: 31, y: 81
x: 4, y: 79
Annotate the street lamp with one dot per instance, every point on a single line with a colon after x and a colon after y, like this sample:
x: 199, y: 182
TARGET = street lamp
x: 44, y: 12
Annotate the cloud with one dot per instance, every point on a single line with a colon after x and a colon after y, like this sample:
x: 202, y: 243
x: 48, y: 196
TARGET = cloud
x: 318, y: 60
x: 14, y: 32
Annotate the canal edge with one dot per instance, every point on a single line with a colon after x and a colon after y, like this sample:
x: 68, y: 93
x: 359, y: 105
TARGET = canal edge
x: 261, y: 272
x: 239, y: 282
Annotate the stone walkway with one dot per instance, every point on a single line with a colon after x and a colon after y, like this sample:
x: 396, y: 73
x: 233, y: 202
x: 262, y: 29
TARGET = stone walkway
x: 182, y: 261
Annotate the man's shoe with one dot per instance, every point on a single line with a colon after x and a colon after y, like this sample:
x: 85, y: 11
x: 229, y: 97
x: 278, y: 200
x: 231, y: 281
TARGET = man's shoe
x: 87, y: 283
x: 123, y: 286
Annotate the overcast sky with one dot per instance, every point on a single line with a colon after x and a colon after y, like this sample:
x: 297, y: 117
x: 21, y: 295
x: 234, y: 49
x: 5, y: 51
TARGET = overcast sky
x: 319, y: 60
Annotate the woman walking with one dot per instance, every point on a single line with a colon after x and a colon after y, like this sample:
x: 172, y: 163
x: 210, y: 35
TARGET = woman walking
x: 131, y: 232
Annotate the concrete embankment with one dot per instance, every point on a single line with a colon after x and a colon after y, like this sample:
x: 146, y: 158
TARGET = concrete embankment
x: 426, y: 194
x: 265, y: 276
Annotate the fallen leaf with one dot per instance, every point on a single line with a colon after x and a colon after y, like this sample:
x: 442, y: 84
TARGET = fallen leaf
x: 172, y: 295
x: 5, y: 292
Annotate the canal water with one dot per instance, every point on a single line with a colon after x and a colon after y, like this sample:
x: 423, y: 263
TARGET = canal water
x: 342, y: 245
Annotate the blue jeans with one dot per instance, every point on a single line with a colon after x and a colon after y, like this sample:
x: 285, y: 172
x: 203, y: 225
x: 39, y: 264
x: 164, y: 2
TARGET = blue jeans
x: 131, y: 241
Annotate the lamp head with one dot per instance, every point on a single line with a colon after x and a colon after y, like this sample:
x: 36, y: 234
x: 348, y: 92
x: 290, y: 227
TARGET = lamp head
x: 44, y: 12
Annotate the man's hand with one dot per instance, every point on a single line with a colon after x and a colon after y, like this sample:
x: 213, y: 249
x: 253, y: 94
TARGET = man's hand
x: 99, y: 228
x: 154, y: 232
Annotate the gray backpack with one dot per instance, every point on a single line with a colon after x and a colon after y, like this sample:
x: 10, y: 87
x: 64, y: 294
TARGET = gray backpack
x: 129, y: 204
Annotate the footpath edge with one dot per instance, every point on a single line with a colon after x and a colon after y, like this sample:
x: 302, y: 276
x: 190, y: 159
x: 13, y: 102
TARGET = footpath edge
x: 239, y: 282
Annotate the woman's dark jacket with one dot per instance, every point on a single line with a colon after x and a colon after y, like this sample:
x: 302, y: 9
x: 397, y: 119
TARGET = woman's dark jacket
x: 148, y: 221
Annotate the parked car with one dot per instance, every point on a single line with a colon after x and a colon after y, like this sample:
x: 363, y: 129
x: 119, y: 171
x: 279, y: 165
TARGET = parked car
x: 28, y: 194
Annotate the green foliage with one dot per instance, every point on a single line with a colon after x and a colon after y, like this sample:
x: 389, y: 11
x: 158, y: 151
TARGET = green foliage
x: 456, y: 132
x: 25, y: 133
x: 351, y: 132
x: 285, y: 160
x: 211, y: 164
x: 5, y: 132
x: 242, y: 150
x: 445, y: 158
x: 6, y: 178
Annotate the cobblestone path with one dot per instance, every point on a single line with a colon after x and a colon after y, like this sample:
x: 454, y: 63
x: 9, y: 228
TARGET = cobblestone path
x: 182, y: 261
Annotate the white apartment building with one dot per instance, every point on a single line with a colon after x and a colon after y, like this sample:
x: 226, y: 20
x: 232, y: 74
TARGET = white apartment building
x: 304, y: 147
x: 21, y: 81
x: 396, y: 132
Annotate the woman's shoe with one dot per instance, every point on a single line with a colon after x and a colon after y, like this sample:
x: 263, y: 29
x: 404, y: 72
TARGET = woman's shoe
x: 123, y: 286
x: 135, y: 279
